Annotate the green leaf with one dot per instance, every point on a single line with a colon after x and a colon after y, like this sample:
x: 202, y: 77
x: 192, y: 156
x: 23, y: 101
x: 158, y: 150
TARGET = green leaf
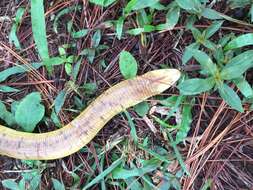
x: 10, y: 184
x: 196, y: 34
x: 55, y: 119
x: 96, y: 39
x: 196, y: 86
x: 240, y: 41
x: 30, y: 106
x: 17, y: 70
x: 59, y: 101
x: 39, y: 28
x: 205, y: 61
x: 244, y: 87
x: 89, y: 53
x: 172, y: 18
x: 35, y: 182
x: 211, y: 14
x: 147, y: 166
x: 68, y: 68
x: 50, y: 62
x: 191, y: 5
x: 119, y: 27
x: 229, y: 95
x: 139, y: 4
x: 209, y: 44
x: 188, y: 52
x: 13, y: 36
x: 128, y: 65
x: 80, y: 33
x: 57, y: 185
x: 8, y: 89
x: 90, y: 88
x: 6, y: 116
x: 101, y: 176
x: 142, y: 109
x: 135, y: 31
x: 211, y: 30
x: 237, y: 66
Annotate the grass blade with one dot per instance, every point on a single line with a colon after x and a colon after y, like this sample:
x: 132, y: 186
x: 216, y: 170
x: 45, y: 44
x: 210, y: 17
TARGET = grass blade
x: 103, y: 174
x: 39, y: 28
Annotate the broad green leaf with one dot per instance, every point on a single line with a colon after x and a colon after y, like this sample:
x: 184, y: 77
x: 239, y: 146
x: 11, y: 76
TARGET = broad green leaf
x: 55, y: 119
x: 13, y: 36
x: 240, y: 41
x: 211, y: 14
x: 142, y: 108
x: 8, y: 89
x: 39, y: 28
x: 148, y: 166
x: 149, y: 28
x: 205, y: 61
x: 50, y: 62
x: 213, y: 29
x: 196, y: 86
x: 76, y: 69
x: 22, y: 183
x: 229, y: 96
x: 35, y: 182
x: 135, y: 31
x: 244, y: 87
x: 191, y: 5
x: 101, y: 176
x: 119, y: 27
x: 196, y: 34
x: 59, y: 101
x: 29, y: 106
x: 80, y: 33
x: 139, y: 4
x: 90, y: 88
x: 209, y: 44
x: 89, y: 53
x: 237, y: 66
x: 68, y: 68
x: 187, y: 55
x: 96, y: 39
x: 18, y: 70
x: 10, y: 184
x: 138, y: 31
x: 57, y: 184
x: 6, y: 116
x: 128, y: 65
x: 172, y: 18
